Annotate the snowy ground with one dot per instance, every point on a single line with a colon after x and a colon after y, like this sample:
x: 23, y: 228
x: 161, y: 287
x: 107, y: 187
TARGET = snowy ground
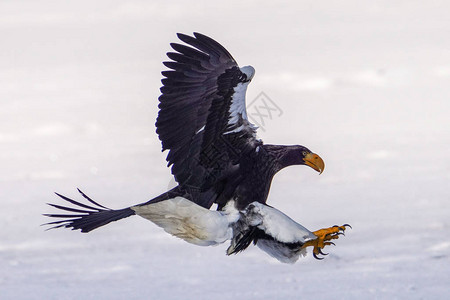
x: 365, y: 84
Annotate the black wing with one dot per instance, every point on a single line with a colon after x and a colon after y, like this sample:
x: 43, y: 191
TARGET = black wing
x: 202, y: 118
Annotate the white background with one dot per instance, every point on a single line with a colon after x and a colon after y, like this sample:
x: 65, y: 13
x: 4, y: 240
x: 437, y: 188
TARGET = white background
x: 365, y: 84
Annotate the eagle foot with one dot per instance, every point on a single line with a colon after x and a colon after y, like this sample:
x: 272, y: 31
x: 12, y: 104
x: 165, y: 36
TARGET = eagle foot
x: 324, y: 237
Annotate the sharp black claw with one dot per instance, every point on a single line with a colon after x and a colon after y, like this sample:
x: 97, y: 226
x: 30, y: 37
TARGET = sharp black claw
x: 348, y: 225
x: 316, y: 257
x: 320, y: 251
x: 331, y: 243
x: 340, y: 233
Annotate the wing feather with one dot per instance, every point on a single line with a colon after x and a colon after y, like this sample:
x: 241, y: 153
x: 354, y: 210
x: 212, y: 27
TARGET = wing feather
x: 196, y: 116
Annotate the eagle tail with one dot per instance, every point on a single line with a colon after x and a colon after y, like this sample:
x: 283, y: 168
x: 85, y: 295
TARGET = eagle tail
x: 86, y: 217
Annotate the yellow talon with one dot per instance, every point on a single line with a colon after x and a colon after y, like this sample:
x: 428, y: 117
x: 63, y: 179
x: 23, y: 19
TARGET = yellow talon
x: 324, y: 236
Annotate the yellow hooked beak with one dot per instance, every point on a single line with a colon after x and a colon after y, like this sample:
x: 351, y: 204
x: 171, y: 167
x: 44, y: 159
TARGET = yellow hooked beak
x: 314, y: 161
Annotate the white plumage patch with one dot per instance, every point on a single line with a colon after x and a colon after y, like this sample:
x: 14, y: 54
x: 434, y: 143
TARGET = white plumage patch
x: 200, y: 226
x: 276, y: 224
x: 285, y: 232
x: 238, y: 108
x: 201, y: 129
x: 191, y: 222
x: 280, y: 251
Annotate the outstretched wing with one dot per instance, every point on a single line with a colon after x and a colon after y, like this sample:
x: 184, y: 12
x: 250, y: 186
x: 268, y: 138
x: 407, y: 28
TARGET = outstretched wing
x: 202, y: 118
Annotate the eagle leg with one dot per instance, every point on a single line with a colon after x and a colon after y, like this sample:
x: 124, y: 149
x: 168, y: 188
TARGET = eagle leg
x: 324, y: 237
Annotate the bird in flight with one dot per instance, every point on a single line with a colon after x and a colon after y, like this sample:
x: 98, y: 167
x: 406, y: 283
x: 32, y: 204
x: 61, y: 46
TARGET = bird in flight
x: 216, y: 158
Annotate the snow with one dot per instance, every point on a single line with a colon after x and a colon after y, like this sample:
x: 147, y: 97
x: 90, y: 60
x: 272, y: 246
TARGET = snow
x: 365, y: 85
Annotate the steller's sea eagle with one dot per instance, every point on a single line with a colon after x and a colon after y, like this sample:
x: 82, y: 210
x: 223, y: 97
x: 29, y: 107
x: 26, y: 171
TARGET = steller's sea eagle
x: 215, y: 157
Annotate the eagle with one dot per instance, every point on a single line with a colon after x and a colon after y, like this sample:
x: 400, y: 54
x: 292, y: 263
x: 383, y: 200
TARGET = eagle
x: 216, y: 159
